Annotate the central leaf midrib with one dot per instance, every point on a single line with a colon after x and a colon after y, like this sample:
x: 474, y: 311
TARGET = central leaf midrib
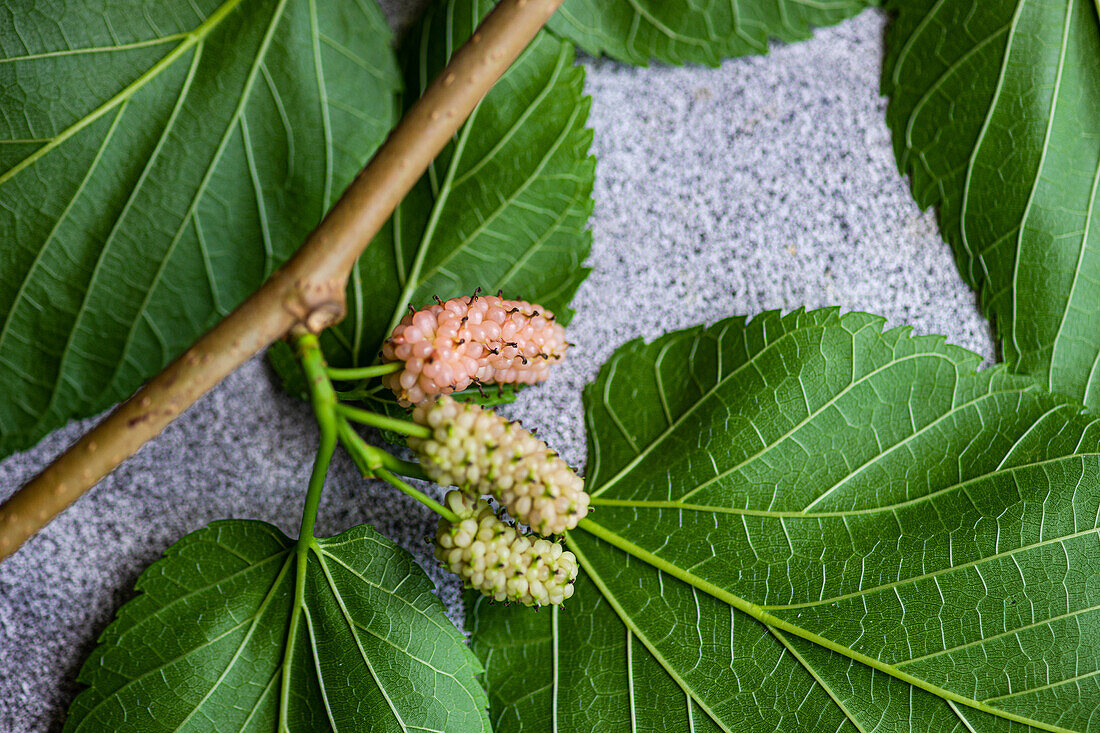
x: 762, y: 616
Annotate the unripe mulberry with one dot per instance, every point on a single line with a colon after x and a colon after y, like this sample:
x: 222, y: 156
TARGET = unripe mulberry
x: 480, y: 452
x: 448, y: 346
x: 499, y: 561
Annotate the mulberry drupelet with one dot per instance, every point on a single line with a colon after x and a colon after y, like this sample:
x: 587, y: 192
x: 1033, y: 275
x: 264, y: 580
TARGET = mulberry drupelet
x: 447, y: 346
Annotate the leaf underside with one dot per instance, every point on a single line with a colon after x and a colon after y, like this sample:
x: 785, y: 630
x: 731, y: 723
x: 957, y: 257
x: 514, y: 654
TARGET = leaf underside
x: 993, y: 111
x: 805, y: 523
x: 641, y: 31
x: 208, y: 645
x: 157, y: 162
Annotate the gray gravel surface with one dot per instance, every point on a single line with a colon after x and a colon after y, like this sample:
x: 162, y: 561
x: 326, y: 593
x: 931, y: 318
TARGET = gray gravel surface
x: 765, y: 183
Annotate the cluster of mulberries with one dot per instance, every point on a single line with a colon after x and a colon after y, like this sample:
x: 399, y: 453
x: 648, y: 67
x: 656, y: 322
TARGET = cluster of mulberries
x: 450, y: 345
x: 482, y: 453
x: 499, y: 561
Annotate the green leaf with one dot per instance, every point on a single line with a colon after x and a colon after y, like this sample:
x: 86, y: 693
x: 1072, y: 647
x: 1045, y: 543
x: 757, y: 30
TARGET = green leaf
x: 993, y: 109
x: 504, y: 207
x: 806, y: 522
x: 157, y: 162
x: 214, y: 643
x: 641, y: 31
x: 682, y: 662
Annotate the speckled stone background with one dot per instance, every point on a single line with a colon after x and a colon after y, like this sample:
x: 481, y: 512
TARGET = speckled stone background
x: 765, y: 183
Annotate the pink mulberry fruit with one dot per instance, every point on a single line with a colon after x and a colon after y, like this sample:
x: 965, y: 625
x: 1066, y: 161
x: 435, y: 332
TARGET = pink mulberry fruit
x: 448, y: 346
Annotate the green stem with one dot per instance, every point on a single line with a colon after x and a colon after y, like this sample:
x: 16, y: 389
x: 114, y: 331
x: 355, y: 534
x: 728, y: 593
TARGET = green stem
x: 368, y: 372
x: 374, y: 461
x: 324, y: 407
x: 420, y: 496
x: 357, y: 394
x: 368, y: 458
x: 383, y: 422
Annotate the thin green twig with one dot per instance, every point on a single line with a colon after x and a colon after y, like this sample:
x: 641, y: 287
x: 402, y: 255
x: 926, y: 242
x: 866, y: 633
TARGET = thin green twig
x: 374, y: 461
x: 367, y: 372
x: 368, y: 457
x: 358, y: 394
x: 383, y: 422
x: 420, y: 496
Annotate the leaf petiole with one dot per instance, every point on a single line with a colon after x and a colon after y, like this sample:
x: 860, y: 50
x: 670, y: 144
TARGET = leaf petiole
x: 383, y: 422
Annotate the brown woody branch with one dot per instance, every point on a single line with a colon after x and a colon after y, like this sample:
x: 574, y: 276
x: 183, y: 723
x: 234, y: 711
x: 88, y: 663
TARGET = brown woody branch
x: 306, y: 293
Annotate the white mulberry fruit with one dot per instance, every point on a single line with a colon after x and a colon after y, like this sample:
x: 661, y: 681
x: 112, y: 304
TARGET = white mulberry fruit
x: 499, y: 561
x: 447, y: 346
x: 482, y: 453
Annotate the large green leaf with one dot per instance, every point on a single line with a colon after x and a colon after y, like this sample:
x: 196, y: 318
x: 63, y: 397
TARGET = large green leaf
x: 640, y: 31
x: 657, y: 655
x: 214, y: 642
x: 504, y: 207
x: 993, y: 109
x: 804, y: 522
x: 157, y: 161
